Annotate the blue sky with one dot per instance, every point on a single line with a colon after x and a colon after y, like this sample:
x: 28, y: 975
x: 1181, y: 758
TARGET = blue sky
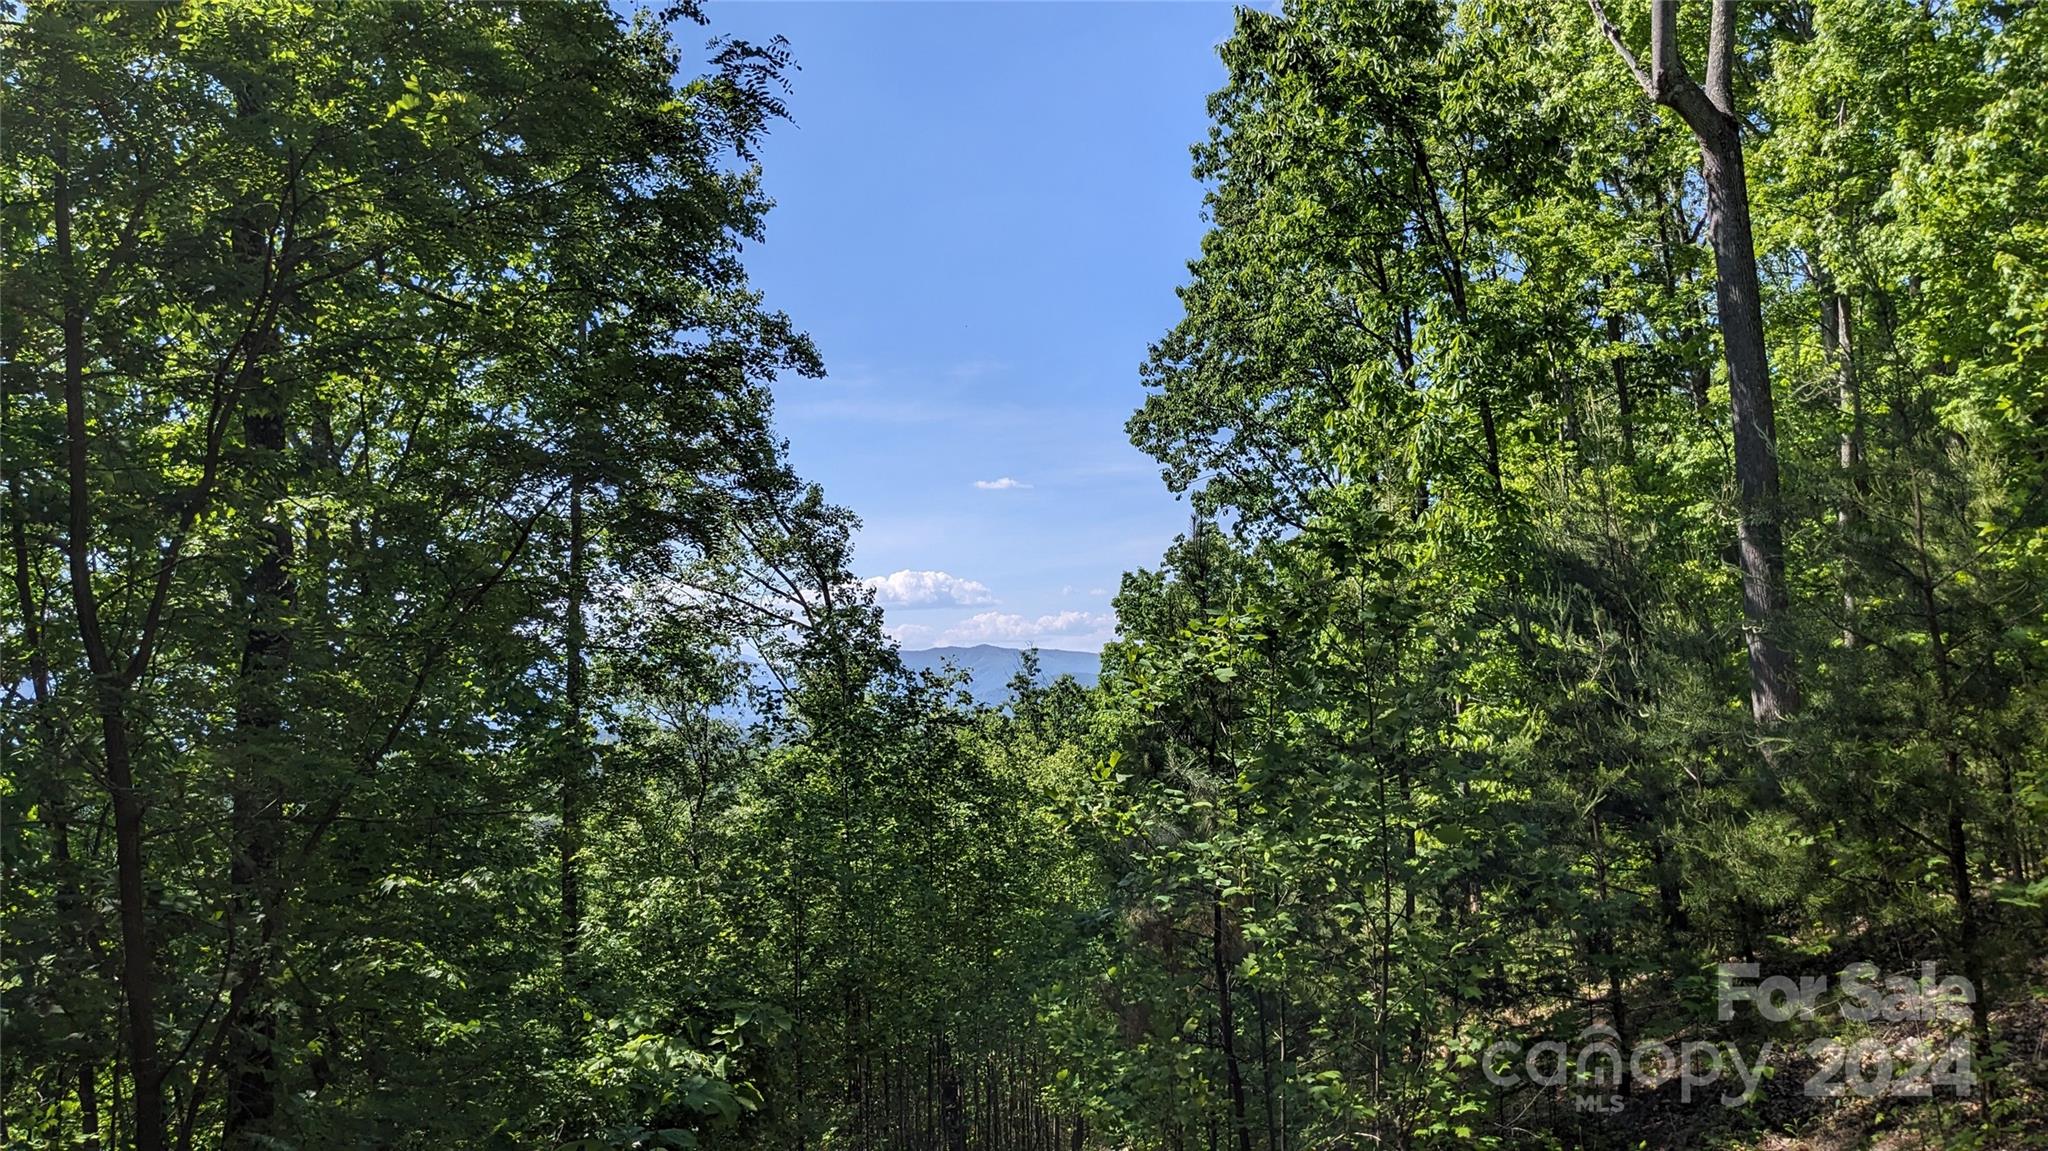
x: 982, y: 210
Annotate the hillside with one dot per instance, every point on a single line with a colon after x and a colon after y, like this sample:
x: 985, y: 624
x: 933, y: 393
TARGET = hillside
x: 990, y: 667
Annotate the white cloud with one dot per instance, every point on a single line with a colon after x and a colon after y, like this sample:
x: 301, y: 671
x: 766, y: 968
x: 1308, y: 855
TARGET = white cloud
x: 910, y: 635
x: 1098, y: 591
x: 1001, y: 485
x: 927, y: 589
x: 1006, y: 627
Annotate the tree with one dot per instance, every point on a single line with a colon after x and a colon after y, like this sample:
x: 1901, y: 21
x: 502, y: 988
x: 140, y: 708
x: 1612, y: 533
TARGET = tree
x: 298, y: 285
x: 1710, y: 112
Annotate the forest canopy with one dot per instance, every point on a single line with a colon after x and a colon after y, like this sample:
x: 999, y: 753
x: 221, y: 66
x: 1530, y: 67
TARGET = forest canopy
x: 439, y: 715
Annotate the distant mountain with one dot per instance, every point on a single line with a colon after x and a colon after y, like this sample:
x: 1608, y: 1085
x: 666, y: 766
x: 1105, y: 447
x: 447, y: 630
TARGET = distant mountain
x: 991, y: 667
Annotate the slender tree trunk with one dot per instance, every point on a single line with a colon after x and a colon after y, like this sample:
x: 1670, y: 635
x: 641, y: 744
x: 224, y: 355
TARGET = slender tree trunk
x: 1266, y: 1069
x: 1957, y: 843
x: 257, y: 793
x: 796, y: 1004
x: 1759, y: 528
x: 1969, y: 932
x: 950, y: 1123
x: 1624, y: 403
x: 88, y: 1108
x: 1670, y: 891
x: 1837, y: 335
x: 1382, y: 992
x: 1285, y: 1076
x: 111, y: 688
x: 138, y: 980
x: 1606, y: 955
x: 575, y: 763
x: 1710, y: 113
x: 1227, y: 1024
x: 57, y: 811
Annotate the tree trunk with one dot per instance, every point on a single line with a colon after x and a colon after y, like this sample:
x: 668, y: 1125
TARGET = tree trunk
x: 574, y: 761
x: 1710, y: 113
x: 1957, y: 842
x: 1664, y: 866
x: 138, y: 982
x: 257, y: 794
x: 796, y: 1003
x: 1607, y: 956
x: 1266, y: 1069
x: 111, y: 684
x: 953, y: 1130
x: 1759, y: 529
x: 1624, y: 404
x: 1837, y: 335
x: 1226, y: 1023
x: 88, y: 1108
x: 71, y: 904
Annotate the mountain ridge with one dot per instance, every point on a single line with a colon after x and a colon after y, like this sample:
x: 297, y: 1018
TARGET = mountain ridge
x: 990, y: 666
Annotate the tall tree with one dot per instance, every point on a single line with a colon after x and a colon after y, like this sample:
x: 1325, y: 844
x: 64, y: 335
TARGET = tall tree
x: 1710, y: 111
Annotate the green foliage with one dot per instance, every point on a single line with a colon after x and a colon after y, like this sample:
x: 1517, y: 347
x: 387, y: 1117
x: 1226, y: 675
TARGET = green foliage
x: 440, y: 717
x: 1451, y: 727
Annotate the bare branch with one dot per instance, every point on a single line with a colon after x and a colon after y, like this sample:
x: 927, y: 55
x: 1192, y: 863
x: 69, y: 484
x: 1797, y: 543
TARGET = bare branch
x: 1614, y: 37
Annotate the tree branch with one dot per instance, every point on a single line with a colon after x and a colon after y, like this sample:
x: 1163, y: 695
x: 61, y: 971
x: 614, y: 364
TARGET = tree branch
x: 1667, y: 68
x: 1720, y: 57
x: 1614, y: 37
x: 1667, y: 81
